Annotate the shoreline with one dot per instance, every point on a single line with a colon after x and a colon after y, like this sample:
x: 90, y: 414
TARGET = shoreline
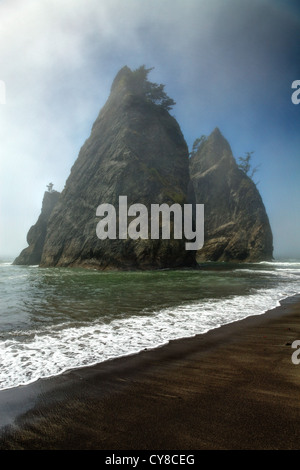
x: 136, y: 352
x: 234, y: 387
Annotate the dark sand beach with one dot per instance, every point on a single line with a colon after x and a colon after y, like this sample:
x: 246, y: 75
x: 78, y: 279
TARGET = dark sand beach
x: 234, y: 387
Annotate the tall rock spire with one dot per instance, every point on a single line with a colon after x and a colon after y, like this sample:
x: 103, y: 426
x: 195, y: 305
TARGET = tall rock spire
x: 237, y: 227
x: 136, y: 149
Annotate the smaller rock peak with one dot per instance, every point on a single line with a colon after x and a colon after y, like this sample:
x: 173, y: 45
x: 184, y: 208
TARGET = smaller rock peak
x: 49, y: 200
x: 216, y: 132
x: 213, y: 150
x: 218, y: 141
x: 217, y: 135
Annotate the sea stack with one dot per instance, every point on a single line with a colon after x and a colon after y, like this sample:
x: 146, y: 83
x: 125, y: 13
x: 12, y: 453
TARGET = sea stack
x: 37, y: 233
x: 136, y: 149
x: 237, y: 227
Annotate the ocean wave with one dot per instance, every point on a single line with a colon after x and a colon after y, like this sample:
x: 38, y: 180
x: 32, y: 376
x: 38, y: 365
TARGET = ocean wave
x: 295, y: 263
x: 50, y: 351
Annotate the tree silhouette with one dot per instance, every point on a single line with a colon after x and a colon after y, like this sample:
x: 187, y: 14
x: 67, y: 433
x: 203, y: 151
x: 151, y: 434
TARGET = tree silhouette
x: 153, y: 92
x: 197, y: 143
x: 246, y: 166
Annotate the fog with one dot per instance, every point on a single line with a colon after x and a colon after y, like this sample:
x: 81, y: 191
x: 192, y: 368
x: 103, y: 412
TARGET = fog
x: 227, y: 64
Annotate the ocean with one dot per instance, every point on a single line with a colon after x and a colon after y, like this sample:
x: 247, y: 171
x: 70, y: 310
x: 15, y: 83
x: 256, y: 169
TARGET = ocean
x: 56, y: 319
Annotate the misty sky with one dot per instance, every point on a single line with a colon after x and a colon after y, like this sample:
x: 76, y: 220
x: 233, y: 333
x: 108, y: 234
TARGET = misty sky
x: 227, y: 64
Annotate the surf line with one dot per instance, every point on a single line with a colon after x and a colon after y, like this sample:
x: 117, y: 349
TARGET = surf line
x: 187, y: 221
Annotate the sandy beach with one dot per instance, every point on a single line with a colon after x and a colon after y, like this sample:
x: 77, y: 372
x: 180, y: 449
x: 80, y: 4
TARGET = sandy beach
x: 234, y: 387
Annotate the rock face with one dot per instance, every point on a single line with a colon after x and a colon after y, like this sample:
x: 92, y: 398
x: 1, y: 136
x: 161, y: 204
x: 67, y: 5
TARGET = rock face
x: 37, y: 233
x: 136, y: 149
x: 237, y: 227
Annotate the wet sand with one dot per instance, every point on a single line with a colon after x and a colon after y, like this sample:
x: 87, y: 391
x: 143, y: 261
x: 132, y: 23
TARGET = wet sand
x: 234, y: 387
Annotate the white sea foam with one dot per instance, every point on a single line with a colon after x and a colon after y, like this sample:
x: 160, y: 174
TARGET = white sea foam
x: 280, y: 263
x: 53, y: 350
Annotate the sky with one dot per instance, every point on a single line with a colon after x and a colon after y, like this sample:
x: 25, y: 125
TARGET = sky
x: 227, y: 63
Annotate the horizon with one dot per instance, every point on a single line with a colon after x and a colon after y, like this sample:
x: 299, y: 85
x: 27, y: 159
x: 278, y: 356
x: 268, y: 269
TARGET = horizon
x: 58, y: 63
